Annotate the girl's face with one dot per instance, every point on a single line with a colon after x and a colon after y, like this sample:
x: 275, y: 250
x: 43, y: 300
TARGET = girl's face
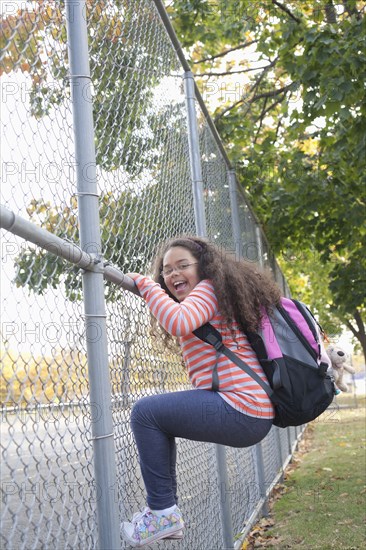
x: 180, y: 271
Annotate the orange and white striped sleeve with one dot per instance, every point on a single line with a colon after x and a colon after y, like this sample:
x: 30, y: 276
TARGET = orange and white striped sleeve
x: 178, y: 318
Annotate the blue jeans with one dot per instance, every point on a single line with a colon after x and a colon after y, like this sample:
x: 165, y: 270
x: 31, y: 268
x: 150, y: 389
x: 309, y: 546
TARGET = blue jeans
x: 199, y: 415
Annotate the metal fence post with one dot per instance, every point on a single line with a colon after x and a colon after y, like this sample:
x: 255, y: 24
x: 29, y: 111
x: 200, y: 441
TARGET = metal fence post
x: 200, y: 220
x: 223, y: 478
x: 289, y: 441
x: 261, y: 478
x: 93, y: 286
x: 235, y: 219
x: 259, y: 245
x: 194, y: 155
x: 280, y: 453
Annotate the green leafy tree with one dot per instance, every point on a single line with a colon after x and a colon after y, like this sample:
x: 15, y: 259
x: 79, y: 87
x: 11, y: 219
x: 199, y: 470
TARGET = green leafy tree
x: 296, y: 131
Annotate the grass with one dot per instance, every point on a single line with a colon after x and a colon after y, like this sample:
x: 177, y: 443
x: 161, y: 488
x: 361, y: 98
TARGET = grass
x: 322, y: 503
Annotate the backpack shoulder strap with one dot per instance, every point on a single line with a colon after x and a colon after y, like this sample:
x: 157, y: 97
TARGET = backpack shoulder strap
x: 296, y: 330
x: 211, y: 336
x: 308, y: 316
x: 258, y: 345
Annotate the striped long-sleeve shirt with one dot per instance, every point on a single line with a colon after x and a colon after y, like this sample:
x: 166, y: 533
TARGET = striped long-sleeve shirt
x: 236, y: 387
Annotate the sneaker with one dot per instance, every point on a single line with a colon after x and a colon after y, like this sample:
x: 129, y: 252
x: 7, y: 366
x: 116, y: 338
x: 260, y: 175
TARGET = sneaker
x: 147, y: 527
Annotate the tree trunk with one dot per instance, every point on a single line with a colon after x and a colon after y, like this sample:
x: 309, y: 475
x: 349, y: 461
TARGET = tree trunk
x: 360, y: 334
x: 330, y: 13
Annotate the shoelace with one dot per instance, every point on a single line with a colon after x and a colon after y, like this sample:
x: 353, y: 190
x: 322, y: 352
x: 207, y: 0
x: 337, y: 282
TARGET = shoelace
x: 139, y: 515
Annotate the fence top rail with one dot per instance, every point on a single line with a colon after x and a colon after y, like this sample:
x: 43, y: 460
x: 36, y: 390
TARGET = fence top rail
x: 63, y: 248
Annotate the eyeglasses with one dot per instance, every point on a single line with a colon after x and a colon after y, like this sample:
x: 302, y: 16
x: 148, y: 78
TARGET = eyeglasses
x: 179, y: 269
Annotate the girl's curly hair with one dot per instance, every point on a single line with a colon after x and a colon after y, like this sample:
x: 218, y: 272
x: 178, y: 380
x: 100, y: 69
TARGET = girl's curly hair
x: 240, y: 287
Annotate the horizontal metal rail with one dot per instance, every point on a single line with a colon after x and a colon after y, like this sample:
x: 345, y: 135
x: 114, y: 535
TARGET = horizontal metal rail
x: 63, y: 248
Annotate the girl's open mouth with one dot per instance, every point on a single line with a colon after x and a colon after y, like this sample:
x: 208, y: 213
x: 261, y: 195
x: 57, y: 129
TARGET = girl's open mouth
x: 180, y: 286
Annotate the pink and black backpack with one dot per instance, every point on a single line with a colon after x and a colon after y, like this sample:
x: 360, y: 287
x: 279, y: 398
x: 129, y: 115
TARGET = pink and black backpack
x: 290, y: 349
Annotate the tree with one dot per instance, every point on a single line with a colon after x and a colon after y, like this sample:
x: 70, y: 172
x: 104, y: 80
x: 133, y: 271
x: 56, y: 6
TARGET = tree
x: 296, y: 132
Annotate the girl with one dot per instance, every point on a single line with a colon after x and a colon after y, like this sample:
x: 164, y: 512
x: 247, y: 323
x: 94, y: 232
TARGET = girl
x: 195, y: 283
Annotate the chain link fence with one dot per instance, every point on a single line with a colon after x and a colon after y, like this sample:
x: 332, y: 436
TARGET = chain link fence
x: 53, y: 490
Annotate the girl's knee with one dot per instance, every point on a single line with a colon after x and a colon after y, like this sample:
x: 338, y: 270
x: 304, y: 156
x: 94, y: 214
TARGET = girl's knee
x: 141, y: 411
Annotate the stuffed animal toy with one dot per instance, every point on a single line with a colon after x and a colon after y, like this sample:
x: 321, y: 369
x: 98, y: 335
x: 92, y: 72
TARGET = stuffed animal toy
x: 338, y: 359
